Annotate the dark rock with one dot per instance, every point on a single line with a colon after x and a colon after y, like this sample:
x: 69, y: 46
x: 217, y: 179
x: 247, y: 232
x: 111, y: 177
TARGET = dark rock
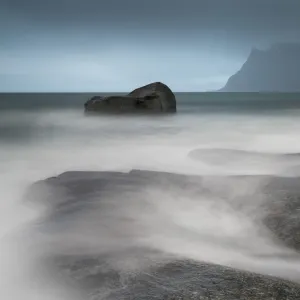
x: 274, y: 70
x: 154, y: 97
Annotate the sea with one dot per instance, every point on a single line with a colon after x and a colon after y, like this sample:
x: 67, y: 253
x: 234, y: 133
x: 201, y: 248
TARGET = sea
x: 44, y: 135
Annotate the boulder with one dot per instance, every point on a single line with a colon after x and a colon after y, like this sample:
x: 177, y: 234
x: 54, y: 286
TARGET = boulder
x: 154, y: 97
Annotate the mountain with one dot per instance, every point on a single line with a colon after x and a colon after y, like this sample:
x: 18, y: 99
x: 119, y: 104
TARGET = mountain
x: 276, y: 69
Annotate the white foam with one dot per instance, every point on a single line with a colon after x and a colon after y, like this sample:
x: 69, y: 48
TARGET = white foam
x: 68, y: 141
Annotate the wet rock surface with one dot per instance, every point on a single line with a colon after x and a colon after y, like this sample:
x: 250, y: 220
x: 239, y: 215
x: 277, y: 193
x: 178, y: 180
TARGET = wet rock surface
x: 175, y: 280
x: 129, y: 267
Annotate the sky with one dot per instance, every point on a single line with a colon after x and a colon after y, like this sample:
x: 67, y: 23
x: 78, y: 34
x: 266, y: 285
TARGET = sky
x: 117, y: 45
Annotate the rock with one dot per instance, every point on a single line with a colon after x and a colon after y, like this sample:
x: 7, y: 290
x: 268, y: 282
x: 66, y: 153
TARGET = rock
x: 154, y: 97
x: 100, y: 217
x: 178, y: 280
x: 276, y: 69
x: 280, y: 195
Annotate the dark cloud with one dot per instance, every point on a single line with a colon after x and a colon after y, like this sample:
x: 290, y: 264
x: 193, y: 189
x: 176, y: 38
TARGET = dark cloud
x: 208, y: 39
x: 239, y: 23
x: 265, y: 16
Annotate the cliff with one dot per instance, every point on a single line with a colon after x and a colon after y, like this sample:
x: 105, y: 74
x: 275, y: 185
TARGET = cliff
x: 274, y: 70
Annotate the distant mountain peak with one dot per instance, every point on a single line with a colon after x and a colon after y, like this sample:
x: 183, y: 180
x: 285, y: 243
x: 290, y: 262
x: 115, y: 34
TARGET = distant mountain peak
x: 274, y: 69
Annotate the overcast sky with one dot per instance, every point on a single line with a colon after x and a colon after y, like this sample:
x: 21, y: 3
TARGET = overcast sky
x: 117, y: 45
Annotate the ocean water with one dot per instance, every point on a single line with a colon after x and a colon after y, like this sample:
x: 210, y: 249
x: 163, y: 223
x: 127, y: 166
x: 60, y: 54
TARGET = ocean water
x: 43, y: 135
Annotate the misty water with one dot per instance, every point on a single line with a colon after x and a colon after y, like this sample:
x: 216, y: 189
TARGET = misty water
x: 212, y: 134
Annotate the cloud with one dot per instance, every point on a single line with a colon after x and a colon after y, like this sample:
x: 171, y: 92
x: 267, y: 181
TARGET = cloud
x: 234, y: 15
x: 192, y: 44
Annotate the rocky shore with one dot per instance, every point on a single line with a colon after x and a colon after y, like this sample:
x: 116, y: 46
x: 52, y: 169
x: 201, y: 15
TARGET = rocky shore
x: 119, y: 263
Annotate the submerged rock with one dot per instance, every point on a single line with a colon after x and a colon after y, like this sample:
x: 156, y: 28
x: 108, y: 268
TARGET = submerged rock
x: 154, y: 97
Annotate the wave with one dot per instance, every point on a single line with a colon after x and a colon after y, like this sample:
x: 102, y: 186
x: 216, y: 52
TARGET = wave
x: 145, y: 223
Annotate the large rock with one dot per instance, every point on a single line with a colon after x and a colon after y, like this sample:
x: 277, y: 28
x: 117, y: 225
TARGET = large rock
x: 101, y: 224
x: 280, y: 196
x: 276, y: 69
x: 154, y: 97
